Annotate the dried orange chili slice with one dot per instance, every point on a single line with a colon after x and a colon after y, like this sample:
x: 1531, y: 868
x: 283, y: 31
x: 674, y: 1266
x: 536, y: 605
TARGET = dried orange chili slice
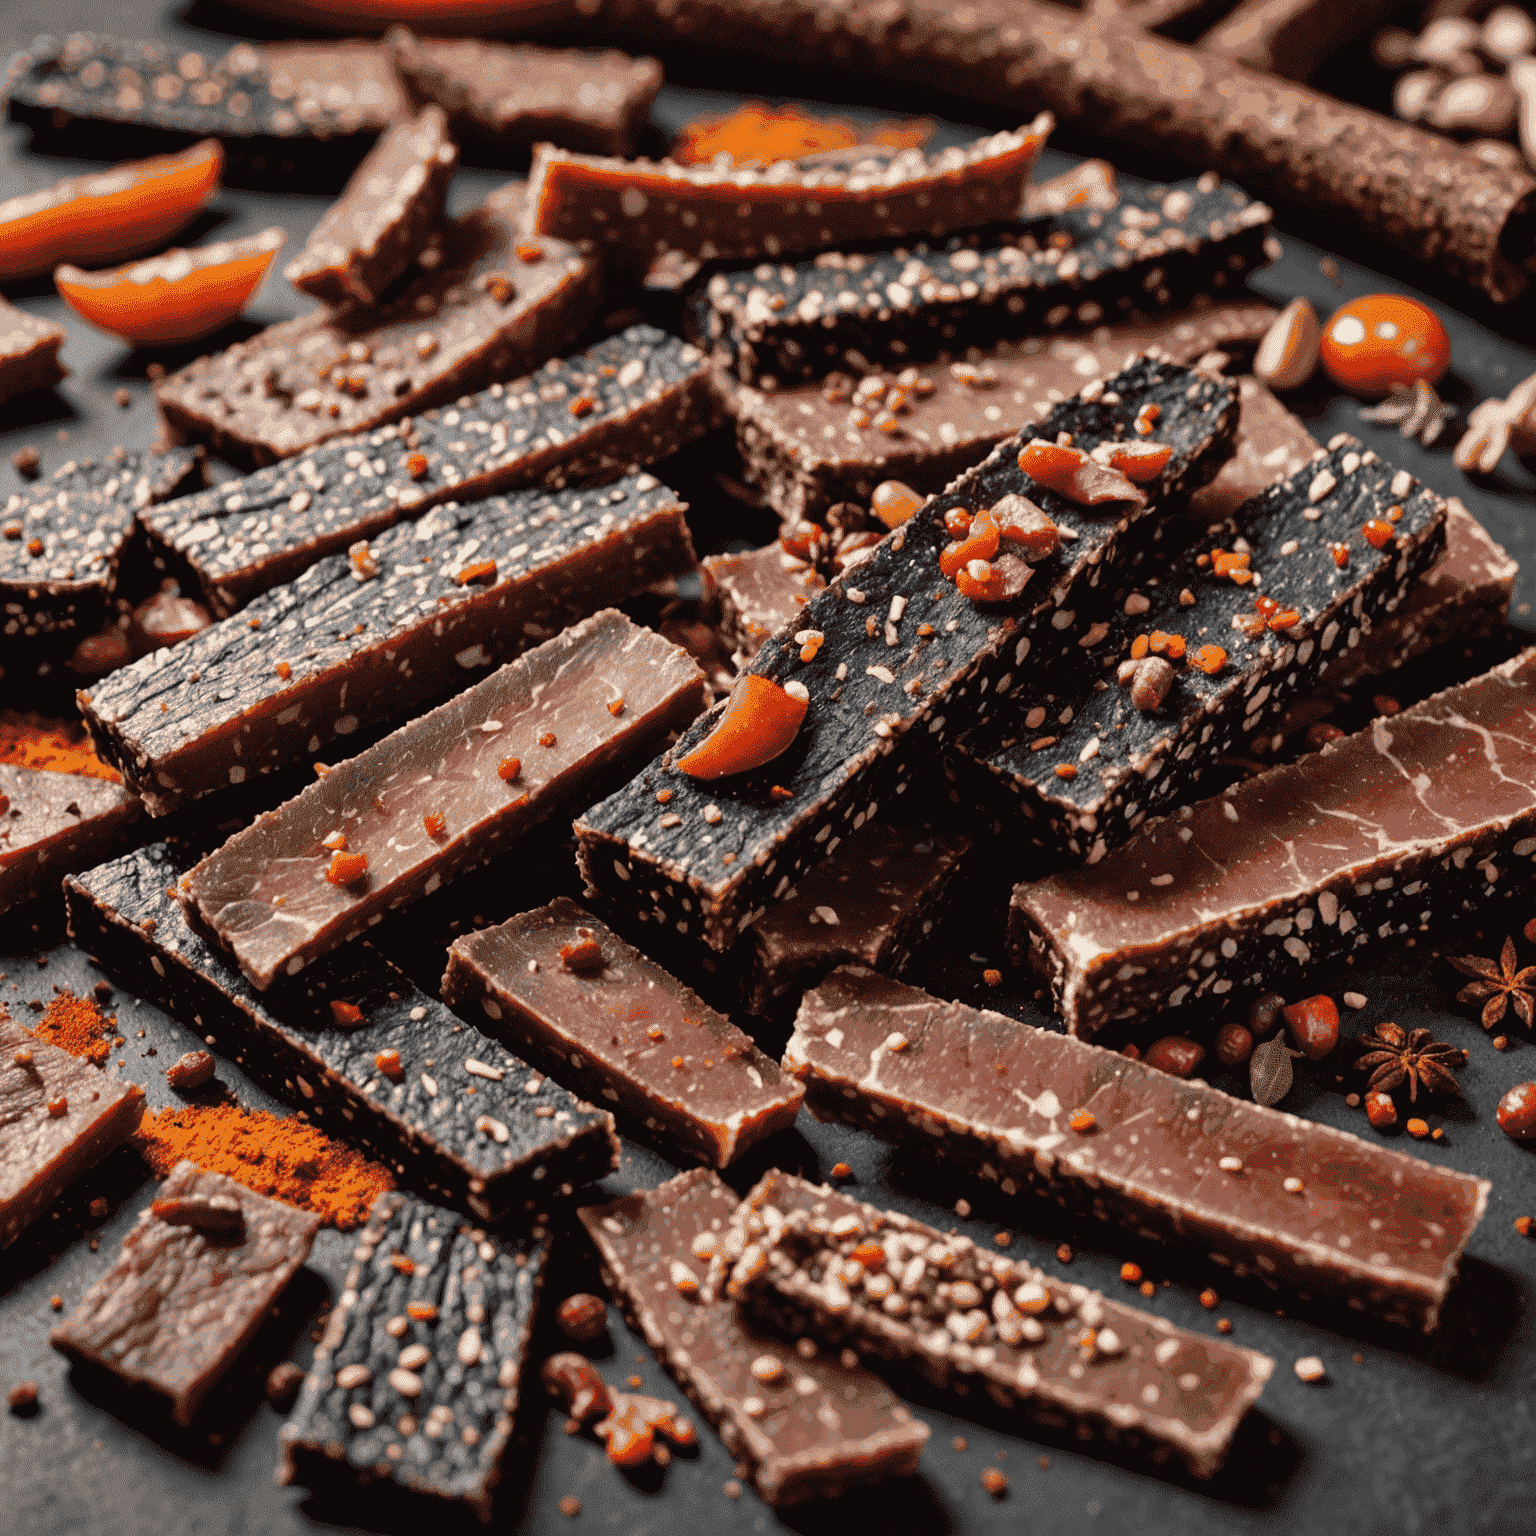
x: 107, y: 216
x: 1071, y: 473
x: 758, y: 724
x: 760, y: 132
x: 176, y: 296
x: 1140, y: 462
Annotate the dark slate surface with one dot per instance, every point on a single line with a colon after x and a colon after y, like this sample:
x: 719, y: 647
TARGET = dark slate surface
x: 1416, y: 1438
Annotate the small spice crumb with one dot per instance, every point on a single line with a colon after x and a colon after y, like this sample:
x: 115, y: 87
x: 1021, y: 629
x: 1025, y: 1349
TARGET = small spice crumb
x: 1501, y: 1042
x: 1082, y: 1120
x: 1147, y: 1288
x: 22, y: 1398
x: 570, y: 1506
x: 962, y: 1208
x: 27, y: 461
x: 1208, y: 1298
x: 841, y: 1171
x: 1131, y: 1273
x: 960, y: 1443
x: 1417, y: 1127
x: 283, y: 1383
x: 1358, y: 1358
x: 1524, y: 1225
x: 1044, y: 1463
x: 732, y: 1488
x: 122, y: 399
x: 1223, y: 1325
x: 1309, y: 1368
x: 1063, y: 1254
x: 1002, y: 1239
x: 57, y: 1303
x: 1354, y: 1000
x: 995, y: 1481
x: 992, y: 978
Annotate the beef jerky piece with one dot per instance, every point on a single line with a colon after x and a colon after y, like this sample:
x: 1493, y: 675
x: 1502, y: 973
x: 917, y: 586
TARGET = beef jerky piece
x: 418, y: 1374
x: 810, y: 1428
x: 1060, y: 1353
x: 1381, y: 833
x: 1271, y: 443
x: 1463, y: 596
x: 197, y: 1276
x: 352, y: 642
x: 759, y: 591
x: 810, y: 446
x: 381, y: 222
x: 586, y: 1006
x: 133, y: 97
x: 629, y: 400
x: 52, y: 823
x: 1424, y: 194
x: 904, y: 660
x: 870, y: 903
x: 1091, y: 755
x: 29, y: 352
x: 353, y: 1041
x: 505, y: 95
x: 442, y: 794
x: 1311, y: 1209
x: 1291, y: 37
x: 352, y: 83
x: 42, y: 1152
x: 492, y: 305
x: 1162, y: 247
x: 61, y: 542
x: 632, y: 211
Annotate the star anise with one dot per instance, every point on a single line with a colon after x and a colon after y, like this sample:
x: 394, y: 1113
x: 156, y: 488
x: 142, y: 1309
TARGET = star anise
x: 1394, y: 1055
x: 1499, y: 984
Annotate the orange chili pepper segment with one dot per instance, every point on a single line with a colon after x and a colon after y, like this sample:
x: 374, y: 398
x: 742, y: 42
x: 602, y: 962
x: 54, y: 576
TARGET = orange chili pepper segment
x: 174, y: 297
x: 109, y: 215
x: 1138, y: 462
x: 760, y: 721
x: 979, y: 544
x: 1072, y: 473
x: 760, y: 132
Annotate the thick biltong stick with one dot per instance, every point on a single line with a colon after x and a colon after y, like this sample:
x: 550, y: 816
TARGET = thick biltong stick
x: 1162, y: 247
x: 1423, y: 193
x: 353, y: 1041
x: 1329, y: 552
x: 197, y: 1276
x: 29, y: 352
x: 630, y: 400
x: 810, y: 1429
x: 352, y: 642
x: 1291, y: 37
x: 816, y: 1261
x: 442, y: 794
x: 418, y: 1375
x: 52, y: 823
x: 1306, y: 1207
x: 904, y: 658
x: 1383, y: 833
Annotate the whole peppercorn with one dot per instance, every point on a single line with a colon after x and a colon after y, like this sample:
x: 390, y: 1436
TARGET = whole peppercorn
x: 1264, y: 1014
x: 1234, y: 1044
x: 1175, y: 1054
x: 1314, y: 1025
x: 582, y: 1316
x: 1381, y: 1111
x: 1517, y: 1112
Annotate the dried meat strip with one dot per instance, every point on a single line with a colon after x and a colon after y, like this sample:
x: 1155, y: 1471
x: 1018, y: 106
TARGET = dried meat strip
x: 586, y: 1006
x: 356, y: 641
x: 805, y: 1422
x: 809, y: 446
x: 354, y: 1042
x: 29, y: 352
x: 1380, y: 834
x: 1291, y: 37
x: 815, y: 1261
x: 1300, y: 1206
x: 53, y: 823
x: 59, y: 1116
x: 1248, y: 619
x: 759, y: 591
x: 1271, y: 443
x: 503, y: 95
x: 490, y: 305
x: 1161, y: 247
x: 418, y: 1375
x: 441, y: 794
x: 380, y: 224
x: 903, y: 661
x: 197, y: 1276
x: 630, y: 400
x: 630, y: 212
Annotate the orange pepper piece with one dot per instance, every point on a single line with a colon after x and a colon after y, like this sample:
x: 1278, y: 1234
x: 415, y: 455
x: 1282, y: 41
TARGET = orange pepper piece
x: 174, y: 297
x: 759, y: 722
x: 1051, y: 465
x: 109, y: 215
x: 979, y: 544
x: 760, y: 132
x: 1140, y: 462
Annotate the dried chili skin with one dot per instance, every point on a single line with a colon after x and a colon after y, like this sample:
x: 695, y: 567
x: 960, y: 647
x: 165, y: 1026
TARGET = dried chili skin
x: 759, y: 723
x: 176, y: 296
x: 107, y: 216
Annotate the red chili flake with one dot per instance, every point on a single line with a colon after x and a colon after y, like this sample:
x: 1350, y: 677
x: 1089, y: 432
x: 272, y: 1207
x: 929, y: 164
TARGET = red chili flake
x: 416, y: 466
x: 435, y: 823
x: 1524, y: 1225
x: 1418, y: 1128
x: 1341, y: 555
x: 1385, y: 704
x: 547, y: 739
x: 481, y: 570
x: 677, y: 1061
x: 1139, y: 647
x: 1266, y: 605
x: 1082, y: 1120
x: 1394, y: 514
x: 509, y: 768
x: 841, y: 1171
x: 345, y: 868
x: 388, y: 1063
x: 347, y: 1014
x: 57, y: 1303
x: 780, y: 794
x: 992, y: 978
x: 1208, y: 1298
x: 283, y: 670
x: 615, y: 707
x: 1066, y: 770
x: 993, y: 1479
x: 421, y: 1311
x: 1284, y: 619
x: 1063, y: 1254
x: 1249, y: 624
x: 34, y: 546
x: 59, y: 1107
x: 402, y: 1264
x: 499, y: 287
x: 530, y: 251
x: 1223, y: 1325
x: 1378, y: 533
x: 1224, y: 563
x: 586, y: 954
x: 1146, y: 417
x: 957, y: 522
x: 663, y: 796
x: 1210, y: 659
x: 582, y: 405
x: 870, y: 1254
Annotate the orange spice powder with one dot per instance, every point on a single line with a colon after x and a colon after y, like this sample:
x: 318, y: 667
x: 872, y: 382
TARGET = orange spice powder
x: 272, y: 1154
x: 760, y: 132
x: 60, y: 746
x: 75, y: 1024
